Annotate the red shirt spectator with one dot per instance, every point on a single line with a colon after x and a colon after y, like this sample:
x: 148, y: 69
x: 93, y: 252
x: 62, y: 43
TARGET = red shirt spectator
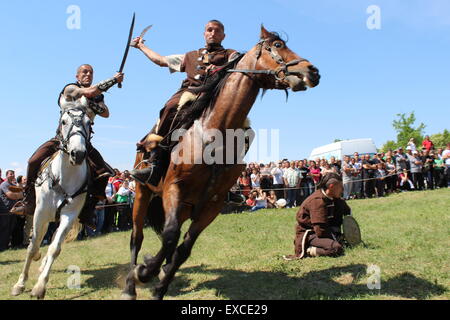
x: 251, y: 202
x: 427, y: 143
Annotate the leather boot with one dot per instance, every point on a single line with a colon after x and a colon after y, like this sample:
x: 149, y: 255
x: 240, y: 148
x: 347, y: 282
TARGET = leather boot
x: 87, y: 214
x: 27, y: 205
x: 153, y: 173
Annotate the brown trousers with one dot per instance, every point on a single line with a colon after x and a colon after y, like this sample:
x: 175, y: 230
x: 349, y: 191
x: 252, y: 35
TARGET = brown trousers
x: 325, y: 246
x: 97, y: 165
x: 167, y: 114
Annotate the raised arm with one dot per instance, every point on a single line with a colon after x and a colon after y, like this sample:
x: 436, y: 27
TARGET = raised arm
x: 72, y: 93
x: 152, y: 55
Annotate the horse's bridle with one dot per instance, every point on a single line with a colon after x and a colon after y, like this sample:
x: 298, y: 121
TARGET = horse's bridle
x: 282, y: 69
x: 77, y: 121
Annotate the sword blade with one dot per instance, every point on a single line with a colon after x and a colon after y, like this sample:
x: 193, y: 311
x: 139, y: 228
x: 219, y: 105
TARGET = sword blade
x: 127, y: 48
x: 145, y: 31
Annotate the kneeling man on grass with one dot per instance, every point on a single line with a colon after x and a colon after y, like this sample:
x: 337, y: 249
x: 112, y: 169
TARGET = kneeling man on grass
x: 319, y: 220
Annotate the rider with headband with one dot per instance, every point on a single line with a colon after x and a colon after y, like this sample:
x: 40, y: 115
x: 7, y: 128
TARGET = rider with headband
x: 100, y: 170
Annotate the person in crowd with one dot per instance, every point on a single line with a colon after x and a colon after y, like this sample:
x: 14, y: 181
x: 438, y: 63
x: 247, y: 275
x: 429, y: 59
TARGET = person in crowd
x: 391, y: 179
x: 327, y: 168
x: 306, y: 182
x: 7, y: 201
x: 117, y: 180
x: 404, y: 182
x: 1, y: 179
x: 277, y: 179
x: 411, y: 145
x: 335, y: 164
x: 446, y: 158
x: 291, y: 179
x: 265, y: 178
x: 380, y: 176
x: 110, y: 210
x: 439, y: 171
x: 319, y: 221
x: 99, y: 219
x: 347, y: 173
x: 416, y: 166
x: 271, y: 200
x: 18, y: 237
x: 123, y: 210
x: 357, y: 190
x: 401, y: 161
x: 314, y: 172
x: 261, y: 200
x: 251, y: 201
x: 244, y: 183
x: 250, y: 168
x: 256, y: 179
x: 368, y: 174
x: 427, y: 144
x: 428, y: 168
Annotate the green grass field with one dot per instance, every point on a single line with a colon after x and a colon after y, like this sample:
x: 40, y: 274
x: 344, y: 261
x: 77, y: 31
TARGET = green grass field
x: 239, y: 256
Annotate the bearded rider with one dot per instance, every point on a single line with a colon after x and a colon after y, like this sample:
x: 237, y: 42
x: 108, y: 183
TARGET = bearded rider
x: 196, y: 64
x: 100, y: 170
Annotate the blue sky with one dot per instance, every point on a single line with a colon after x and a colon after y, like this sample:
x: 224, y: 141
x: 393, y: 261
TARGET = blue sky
x: 368, y: 76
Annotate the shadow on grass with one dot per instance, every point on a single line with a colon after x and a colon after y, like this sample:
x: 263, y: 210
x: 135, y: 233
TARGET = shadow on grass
x: 332, y: 283
x: 5, y: 263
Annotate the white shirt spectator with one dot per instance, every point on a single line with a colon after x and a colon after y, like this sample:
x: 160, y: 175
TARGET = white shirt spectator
x: 255, y: 180
x: 277, y: 175
x: 446, y: 156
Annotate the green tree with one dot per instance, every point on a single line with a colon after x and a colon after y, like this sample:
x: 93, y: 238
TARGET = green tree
x: 406, y: 130
x: 389, y: 145
x: 440, y: 140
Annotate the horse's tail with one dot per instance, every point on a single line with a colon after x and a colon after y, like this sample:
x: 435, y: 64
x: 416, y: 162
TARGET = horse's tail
x: 155, y: 215
x: 74, y: 231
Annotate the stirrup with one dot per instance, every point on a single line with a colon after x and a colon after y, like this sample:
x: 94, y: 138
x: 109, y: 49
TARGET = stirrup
x: 142, y: 176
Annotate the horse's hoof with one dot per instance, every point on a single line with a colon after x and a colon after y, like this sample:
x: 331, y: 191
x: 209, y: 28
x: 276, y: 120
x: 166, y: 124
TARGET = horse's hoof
x: 17, y: 289
x: 137, y: 270
x: 38, y: 292
x: 127, y: 296
x: 37, y: 256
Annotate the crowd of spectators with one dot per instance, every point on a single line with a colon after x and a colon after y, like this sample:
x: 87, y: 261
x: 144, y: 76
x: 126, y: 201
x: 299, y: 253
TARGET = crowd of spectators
x: 364, y: 176
x: 112, y: 214
x: 277, y: 184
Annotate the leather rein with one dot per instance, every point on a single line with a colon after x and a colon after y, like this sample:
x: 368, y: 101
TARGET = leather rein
x: 282, y: 69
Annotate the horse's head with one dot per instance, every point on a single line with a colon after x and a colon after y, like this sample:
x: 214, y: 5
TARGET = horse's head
x: 281, y: 68
x: 75, y: 130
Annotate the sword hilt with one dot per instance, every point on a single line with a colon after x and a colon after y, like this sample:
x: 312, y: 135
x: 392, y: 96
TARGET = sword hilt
x: 119, y: 85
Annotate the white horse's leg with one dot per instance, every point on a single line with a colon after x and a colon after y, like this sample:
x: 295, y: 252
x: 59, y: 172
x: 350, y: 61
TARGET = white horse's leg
x: 54, y: 250
x: 40, y: 225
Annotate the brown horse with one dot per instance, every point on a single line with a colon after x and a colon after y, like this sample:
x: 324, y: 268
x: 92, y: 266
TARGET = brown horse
x: 197, y: 190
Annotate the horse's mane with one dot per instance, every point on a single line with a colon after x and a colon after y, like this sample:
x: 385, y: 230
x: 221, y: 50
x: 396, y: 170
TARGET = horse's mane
x: 213, y: 86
